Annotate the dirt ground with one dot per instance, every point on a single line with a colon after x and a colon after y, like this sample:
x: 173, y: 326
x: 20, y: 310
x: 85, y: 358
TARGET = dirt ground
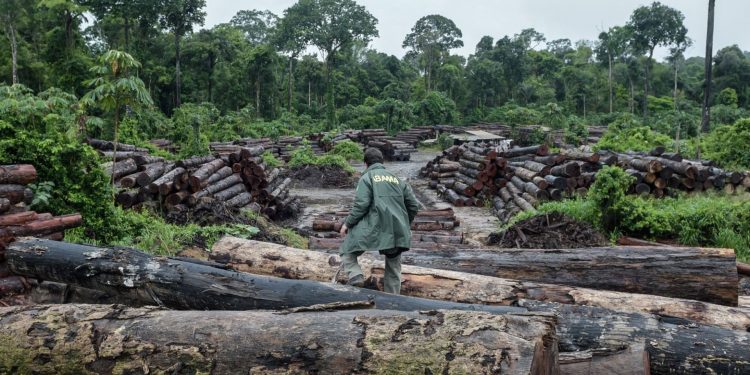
x: 550, y: 231
x: 476, y: 222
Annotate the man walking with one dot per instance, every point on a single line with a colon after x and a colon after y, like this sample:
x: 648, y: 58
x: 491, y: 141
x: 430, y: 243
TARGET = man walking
x: 380, y: 221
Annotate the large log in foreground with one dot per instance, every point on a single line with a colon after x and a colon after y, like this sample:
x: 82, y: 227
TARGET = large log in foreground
x: 708, y: 275
x: 192, y: 286
x: 264, y: 258
x: 108, y: 339
x: 671, y: 343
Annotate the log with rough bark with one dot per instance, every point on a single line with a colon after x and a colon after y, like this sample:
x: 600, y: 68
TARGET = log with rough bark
x: 151, y: 172
x: 195, y: 161
x: 129, y: 198
x: 540, y: 150
x: 570, y: 169
x: 18, y: 218
x: 21, y: 174
x: 199, y: 179
x: 121, y: 168
x: 281, y: 261
x: 15, y: 193
x: 42, y: 226
x: 580, y: 155
x: 109, y: 339
x: 708, y: 275
x: 191, y: 286
x: 240, y: 200
x: 220, y: 185
x: 230, y: 192
x: 166, y: 180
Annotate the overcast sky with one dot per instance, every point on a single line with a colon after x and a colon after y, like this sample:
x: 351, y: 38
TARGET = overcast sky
x: 572, y: 19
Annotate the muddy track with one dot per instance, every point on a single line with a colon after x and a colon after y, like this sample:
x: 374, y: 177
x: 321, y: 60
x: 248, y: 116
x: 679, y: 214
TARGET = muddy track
x: 476, y: 222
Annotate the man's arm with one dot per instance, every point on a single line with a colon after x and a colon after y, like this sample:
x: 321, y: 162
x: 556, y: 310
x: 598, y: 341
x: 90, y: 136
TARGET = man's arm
x: 411, y: 203
x: 362, y: 202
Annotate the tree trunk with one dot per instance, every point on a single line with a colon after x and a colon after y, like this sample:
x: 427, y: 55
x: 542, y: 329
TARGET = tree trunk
x: 257, y: 93
x: 291, y: 82
x: 210, y: 78
x: 101, y: 338
x: 177, y: 86
x: 631, y: 102
x: 263, y: 258
x: 309, y: 94
x: 611, y: 93
x: 127, y: 33
x: 183, y: 285
x: 13, y: 52
x: 708, y: 70
x: 646, y: 81
x: 68, y: 30
x: 116, y: 143
x: 331, y: 105
x: 22, y: 174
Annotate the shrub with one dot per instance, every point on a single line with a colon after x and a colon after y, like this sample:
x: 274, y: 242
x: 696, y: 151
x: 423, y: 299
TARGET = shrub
x: 728, y: 145
x: 304, y: 155
x: 437, y: 108
x: 445, y: 141
x: 270, y: 160
x: 512, y: 114
x: 348, y: 150
x: 631, y: 139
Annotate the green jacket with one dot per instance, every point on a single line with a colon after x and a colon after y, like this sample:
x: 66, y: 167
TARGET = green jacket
x: 382, y: 214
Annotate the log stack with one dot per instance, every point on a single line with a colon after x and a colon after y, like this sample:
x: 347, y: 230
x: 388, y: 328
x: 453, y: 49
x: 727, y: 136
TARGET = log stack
x: 236, y: 178
x: 16, y: 220
x: 392, y: 148
x: 431, y: 229
x: 521, y: 178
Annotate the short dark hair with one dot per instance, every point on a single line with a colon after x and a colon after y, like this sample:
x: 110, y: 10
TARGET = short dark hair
x: 373, y: 156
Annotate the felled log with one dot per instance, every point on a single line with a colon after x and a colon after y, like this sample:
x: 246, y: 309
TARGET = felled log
x: 147, y: 159
x: 12, y: 285
x: 195, y: 161
x: 151, y: 172
x: 121, y: 168
x: 17, y: 218
x: 580, y: 155
x: 199, y: 178
x: 540, y: 150
x: 570, y: 169
x: 230, y: 192
x: 220, y: 185
x: 708, y: 275
x: 21, y: 174
x: 165, y: 182
x: 184, y: 285
x: 129, y: 198
x: 15, y: 193
x: 147, y: 340
x: 240, y: 200
x: 42, y: 226
x: 281, y: 261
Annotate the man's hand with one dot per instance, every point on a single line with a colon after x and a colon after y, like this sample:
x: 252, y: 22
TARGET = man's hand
x: 344, y: 230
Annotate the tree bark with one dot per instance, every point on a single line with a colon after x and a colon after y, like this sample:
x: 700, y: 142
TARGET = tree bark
x: 708, y: 70
x: 611, y: 92
x: 184, y: 285
x: 708, y: 275
x: 22, y: 174
x: 103, y: 338
x: 4, y: 205
x: 263, y: 258
x: 16, y: 193
x: 177, y: 85
x: 11, y: 30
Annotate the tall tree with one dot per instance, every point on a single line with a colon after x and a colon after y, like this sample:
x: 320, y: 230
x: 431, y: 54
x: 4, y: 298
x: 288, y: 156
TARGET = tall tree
x: 290, y: 38
x: 331, y: 26
x: 116, y: 86
x: 179, y: 16
x: 612, y: 45
x: 258, y: 25
x: 654, y: 26
x: 432, y: 37
x: 11, y: 13
x: 708, y: 71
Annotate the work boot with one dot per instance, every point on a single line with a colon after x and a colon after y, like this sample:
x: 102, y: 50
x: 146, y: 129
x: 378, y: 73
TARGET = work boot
x: 358, y: 281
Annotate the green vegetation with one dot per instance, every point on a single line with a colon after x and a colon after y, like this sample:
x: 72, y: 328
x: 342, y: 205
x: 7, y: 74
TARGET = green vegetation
x: 304, y: 155
x: 729, y: 145
x: 632, y: 139
x: 271, y: 160
x: 348, y: 150
x: 713, y: 220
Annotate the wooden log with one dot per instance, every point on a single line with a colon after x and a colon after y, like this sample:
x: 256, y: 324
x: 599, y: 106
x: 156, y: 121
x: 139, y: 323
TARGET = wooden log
x: 646, y: 165
x: 708, y: 275
x: 5, y: 205
x: 550, y: 160
x: 472, y: 165
x: 167, y: 179
x: 199, y: 178
x: 283, y: 186
x: 42, y: 227
x: 240, y: 200
x: 672, y: 156
x: 229, y: 193
x: 305, y: 341
x: 540, y: 150
x: 570, y: 169
x: 523, y: 203
x: 263, y: 258
x: 524, y: 173
x: 122, y: 168
x: 657, y: 151
x: 15, y: 193
x: 539, y: 168
x: 580, y: 155
x: 642, y: 189
x: 20, y: 174
x: 152, y: 172
x: 11, y: 285
x: 177, y: 197
x: 743, y: 269
x: 184, y: 285
x: 445, y: 168
x: 557, y: 181
x: 17, y: 218
x: 129, y: 198
x: 195, y: 161
x: 453, y: 198
x: 464, y: 189
x: 146, y: 159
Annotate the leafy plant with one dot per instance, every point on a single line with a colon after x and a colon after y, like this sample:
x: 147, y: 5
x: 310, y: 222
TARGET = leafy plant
x: 270, y: 159
x: 348, y: 150
x: 445, y: 141
x: 42, y: 193
x: 631, y: 139
x: 728, y: 145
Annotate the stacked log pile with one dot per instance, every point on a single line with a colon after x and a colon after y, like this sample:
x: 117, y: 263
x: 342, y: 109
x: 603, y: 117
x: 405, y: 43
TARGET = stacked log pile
x: 431, y: 229
x: 415, y: 135
x: 165, y: 144
x: 236, y: 177
x: 16, y: 220
x: 281, y: 148
x: 392, y: 148
x: 519, y: 179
